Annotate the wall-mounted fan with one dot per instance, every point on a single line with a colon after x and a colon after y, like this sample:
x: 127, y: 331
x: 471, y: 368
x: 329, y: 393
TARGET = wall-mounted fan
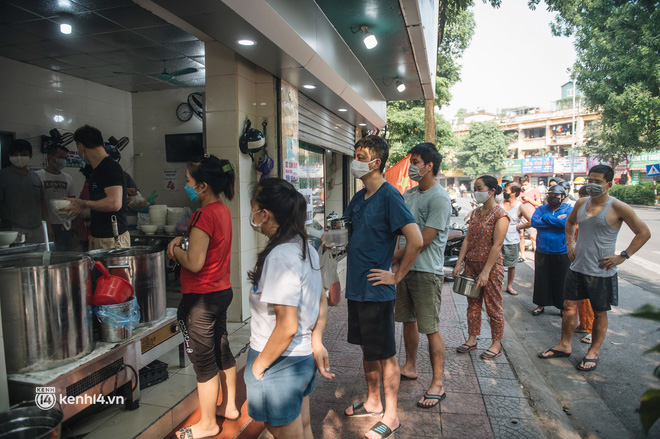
x: 165, y: 75
x: 196, y: 102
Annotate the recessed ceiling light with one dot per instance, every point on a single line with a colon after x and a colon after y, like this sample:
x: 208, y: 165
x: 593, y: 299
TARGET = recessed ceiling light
x: 65, y: 28
x: 58, y: 118
x: 246, y: 42
x: 309, y: 86
x: 342, y: 109
x: 362, y: 124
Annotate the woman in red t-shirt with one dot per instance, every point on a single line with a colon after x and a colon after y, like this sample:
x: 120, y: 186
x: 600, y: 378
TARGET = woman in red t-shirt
x: 207, y: 292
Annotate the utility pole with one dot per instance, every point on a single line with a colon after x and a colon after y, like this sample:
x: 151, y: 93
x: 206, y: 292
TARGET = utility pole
x: 573, y: 139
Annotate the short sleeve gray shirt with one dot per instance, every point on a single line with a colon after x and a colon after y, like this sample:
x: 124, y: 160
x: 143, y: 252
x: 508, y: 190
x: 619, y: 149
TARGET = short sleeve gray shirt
x: 431, y: 208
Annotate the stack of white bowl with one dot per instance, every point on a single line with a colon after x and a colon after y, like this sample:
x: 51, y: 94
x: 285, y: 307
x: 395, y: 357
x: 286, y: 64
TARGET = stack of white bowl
x: 158, y: 215
x: 173, y: 215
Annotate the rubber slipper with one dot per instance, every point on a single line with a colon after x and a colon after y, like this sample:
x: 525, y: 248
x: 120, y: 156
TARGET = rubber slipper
x: 383, y: 430
x: 407, y: 378
x: 427, y: 395
x: 555, y: 354
x: 230, y: 419
x: 512, y: 292
x: 538, y: 312
x: 587, y: 360
x: 587, y: 339
x: 466, y: 349
x: 360, y: 412
x: 186, y: 433
x: 581, y: 330
x: 490, y: 355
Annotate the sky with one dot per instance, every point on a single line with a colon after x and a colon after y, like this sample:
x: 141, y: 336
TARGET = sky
x: 513, y: 60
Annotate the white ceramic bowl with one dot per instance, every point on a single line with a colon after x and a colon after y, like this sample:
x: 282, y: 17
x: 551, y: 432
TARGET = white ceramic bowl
x: 7, y: 238
x: 169, y: 229
x: 148, y: 229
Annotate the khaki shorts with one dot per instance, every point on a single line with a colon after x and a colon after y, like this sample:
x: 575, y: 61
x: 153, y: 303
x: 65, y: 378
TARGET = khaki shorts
x: 97, y: 243
x: 510, y: 254
x: 418, y: 298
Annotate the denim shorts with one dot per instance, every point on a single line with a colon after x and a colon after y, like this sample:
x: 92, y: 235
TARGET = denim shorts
x: 277, y: 397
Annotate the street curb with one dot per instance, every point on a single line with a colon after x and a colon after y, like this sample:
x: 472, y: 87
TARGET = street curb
x: 552, y: 419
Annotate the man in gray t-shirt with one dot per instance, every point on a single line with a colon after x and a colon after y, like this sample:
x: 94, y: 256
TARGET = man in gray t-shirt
x: 418, y: 295
x: 21, y: 195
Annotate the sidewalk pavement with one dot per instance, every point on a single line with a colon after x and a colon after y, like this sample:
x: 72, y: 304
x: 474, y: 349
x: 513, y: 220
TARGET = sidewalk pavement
x: 484, y: 398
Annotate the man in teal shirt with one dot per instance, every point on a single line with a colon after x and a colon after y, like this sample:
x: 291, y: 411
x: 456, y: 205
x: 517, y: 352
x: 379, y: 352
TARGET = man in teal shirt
x: 418, y: 294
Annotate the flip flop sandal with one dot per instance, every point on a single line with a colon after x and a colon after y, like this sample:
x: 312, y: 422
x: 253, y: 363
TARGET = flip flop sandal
x: 587, y: 339
x: 465, y: 348
x: 360, y: 412
x: 383, y: 430
x: 555, y: 354
x: 587, y: 360
x: 538, y: 312
x: 230, y: 419
x: 186, y: 433
x: 581, y: 330
x: 407, y: 378
x: 490, y: 355
x: 512, y: 292
x: 427, y: 396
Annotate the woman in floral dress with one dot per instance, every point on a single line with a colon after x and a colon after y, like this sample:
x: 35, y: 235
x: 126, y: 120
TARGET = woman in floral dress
x: 482, y: 254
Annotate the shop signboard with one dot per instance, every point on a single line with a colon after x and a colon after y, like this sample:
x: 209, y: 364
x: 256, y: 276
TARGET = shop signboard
x: 308, y: 194
x: 639, y: 162
x: 512, y: 166
x: 634, y: 176
x: 562, y: 165
x: 537, y: 165
x: 593, y: 161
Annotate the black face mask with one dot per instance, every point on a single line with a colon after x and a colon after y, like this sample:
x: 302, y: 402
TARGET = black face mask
x: 506, y: 196
x: 554, y: 202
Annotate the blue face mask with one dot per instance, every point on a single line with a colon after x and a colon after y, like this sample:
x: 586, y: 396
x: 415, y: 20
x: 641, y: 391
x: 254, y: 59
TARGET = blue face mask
x: 191, y: 192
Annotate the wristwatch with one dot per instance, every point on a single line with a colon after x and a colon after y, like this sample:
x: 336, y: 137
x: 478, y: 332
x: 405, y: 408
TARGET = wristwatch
x: 625, y: 254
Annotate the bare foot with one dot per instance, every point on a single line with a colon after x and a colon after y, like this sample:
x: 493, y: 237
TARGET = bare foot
x: 229, y: 414
x: 199, y: 431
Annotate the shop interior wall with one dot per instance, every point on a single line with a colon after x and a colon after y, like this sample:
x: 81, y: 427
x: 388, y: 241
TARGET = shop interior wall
x: 32, y: 96
x: 236, y: 90
x: 154, y: 116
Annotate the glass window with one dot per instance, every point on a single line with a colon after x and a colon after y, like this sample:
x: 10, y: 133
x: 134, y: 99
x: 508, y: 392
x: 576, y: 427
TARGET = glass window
x: 312, y: 177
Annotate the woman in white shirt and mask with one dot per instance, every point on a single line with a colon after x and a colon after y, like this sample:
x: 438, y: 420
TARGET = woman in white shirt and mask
x: 289, y: 311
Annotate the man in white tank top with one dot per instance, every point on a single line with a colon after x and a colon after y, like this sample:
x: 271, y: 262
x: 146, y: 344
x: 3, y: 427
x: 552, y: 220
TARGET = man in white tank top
x: 592, y: 274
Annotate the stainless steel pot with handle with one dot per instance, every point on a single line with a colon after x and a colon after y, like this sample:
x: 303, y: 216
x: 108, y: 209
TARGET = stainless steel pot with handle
x: 29, y: 420
x: 46, y: 310
x: 466, y: 286
x: 144, y: 268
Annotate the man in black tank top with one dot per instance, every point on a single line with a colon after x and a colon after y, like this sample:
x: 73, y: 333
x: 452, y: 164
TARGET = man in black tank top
x: 592, y: 274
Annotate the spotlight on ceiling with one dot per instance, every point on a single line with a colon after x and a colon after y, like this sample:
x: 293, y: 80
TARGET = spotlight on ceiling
x: 362, y: 124
x: 246, y: 42
x: 400, y: 86
x: 370, y: 40
x: 309, y: 86
x: 65, y: 28
x: 342, y: 109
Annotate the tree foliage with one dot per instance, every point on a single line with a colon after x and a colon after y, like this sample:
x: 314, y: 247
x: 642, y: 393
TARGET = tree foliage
x: 406, y: 129
x: 618, y: 54
x: 483, y: 150
x: 597, y: 143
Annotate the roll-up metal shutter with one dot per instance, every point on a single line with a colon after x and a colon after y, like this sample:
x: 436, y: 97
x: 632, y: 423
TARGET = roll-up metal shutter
x: 318, y: 126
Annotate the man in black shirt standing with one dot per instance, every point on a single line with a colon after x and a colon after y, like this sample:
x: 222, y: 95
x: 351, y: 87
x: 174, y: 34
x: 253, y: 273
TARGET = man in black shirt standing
x: 107, y: 191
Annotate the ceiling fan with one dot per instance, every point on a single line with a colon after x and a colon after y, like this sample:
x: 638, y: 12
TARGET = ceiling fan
x: 165, y: 75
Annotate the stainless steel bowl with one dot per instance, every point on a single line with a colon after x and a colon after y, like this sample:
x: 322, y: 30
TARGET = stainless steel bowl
x: 466, y: 286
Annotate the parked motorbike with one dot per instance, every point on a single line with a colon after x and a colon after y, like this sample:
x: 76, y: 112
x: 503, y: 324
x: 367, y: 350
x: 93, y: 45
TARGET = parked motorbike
x: 453, y: 249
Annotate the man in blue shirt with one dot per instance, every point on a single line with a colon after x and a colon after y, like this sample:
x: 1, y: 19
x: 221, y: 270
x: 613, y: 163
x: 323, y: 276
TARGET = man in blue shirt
x: 550, y: 260
x: 379, y: 216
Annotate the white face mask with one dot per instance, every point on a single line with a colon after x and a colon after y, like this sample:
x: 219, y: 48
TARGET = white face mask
x: 481, y: 197
x: 360, y: 169
x: 256, y: 227
x: 20, y: 161
x: 59, y: 164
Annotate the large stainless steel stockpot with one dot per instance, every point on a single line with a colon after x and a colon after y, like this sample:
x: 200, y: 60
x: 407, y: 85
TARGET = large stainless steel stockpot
x: 144, y: 268
x: 46, y: 310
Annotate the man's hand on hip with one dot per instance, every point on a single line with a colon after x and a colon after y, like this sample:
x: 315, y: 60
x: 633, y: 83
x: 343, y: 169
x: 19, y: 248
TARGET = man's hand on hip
x: 381, y: 277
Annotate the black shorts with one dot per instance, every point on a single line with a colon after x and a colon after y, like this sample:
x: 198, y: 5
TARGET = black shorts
x: 601, y: 291
x: 371, y: 325
x: 203, y: 322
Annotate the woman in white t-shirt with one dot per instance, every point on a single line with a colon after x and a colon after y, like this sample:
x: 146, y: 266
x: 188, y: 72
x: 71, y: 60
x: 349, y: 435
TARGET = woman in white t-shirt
x: 511, y: 246
x: 288, y: 314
